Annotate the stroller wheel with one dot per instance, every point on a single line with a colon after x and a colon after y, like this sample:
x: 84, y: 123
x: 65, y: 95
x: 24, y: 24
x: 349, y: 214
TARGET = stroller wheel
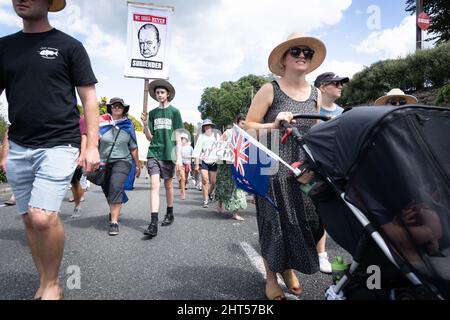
x: 405, y: 295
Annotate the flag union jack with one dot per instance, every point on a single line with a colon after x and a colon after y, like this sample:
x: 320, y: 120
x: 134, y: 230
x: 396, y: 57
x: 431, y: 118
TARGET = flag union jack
x: 238, y: 147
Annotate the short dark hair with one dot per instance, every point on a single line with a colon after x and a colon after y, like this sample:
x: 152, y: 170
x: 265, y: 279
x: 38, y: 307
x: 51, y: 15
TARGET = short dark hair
x: 161, y: 87
x: 240, y: 117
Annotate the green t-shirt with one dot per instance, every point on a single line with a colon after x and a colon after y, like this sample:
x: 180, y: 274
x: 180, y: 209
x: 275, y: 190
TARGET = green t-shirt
x: 162, y: 123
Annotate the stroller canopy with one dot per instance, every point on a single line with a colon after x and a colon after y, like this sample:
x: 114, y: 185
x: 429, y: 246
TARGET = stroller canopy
x: 337, y: 144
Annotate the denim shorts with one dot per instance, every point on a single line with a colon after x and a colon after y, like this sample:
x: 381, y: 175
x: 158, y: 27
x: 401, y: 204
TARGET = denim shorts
x: 41, y: 177
x: 208, y: 166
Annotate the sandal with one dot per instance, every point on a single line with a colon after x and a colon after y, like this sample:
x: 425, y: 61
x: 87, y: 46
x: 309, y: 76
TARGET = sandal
x: 291, y: 281
x: 274, y: 293
x: 10, y: 203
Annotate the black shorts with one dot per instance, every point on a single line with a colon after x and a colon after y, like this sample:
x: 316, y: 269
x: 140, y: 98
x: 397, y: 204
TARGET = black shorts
x: 208, y: 167
x: 77, y: 175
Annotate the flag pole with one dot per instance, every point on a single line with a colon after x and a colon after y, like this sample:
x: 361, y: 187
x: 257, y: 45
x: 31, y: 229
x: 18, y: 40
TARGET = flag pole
x: 145, y: 106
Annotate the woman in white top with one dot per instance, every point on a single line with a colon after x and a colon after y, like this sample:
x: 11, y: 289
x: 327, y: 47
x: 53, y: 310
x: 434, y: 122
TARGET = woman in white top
x: 186, y: 154
x: 204, y: 150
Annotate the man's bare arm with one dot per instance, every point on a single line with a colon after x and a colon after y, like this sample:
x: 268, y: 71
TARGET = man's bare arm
x: 91, y: 116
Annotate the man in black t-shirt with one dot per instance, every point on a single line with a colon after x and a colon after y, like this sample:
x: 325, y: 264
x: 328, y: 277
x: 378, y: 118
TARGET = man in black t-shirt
x: 40, y: 68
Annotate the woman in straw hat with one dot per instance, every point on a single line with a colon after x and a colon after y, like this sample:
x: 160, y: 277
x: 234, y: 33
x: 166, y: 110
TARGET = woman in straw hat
x: 395, y: 97
x: 288, y: 238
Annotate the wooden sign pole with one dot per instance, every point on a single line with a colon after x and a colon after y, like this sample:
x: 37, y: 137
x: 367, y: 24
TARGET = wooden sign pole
x: 145, y: 107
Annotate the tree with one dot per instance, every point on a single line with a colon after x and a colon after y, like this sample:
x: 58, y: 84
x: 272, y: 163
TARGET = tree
x: 221, y: 105
x: 190, y: 128
x: 439, y: 12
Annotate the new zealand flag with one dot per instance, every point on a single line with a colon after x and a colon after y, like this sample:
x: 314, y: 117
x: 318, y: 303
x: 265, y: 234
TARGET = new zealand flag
x: 251, y: 164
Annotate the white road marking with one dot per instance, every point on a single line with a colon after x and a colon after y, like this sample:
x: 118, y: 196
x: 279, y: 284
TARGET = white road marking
x: 257, y: 261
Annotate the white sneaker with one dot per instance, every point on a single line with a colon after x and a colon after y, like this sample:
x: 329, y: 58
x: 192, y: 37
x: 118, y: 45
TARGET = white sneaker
x: 325, y: 265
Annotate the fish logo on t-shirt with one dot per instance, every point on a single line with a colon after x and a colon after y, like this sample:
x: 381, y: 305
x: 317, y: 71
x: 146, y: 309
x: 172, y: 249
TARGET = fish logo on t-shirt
x: 48, y: 53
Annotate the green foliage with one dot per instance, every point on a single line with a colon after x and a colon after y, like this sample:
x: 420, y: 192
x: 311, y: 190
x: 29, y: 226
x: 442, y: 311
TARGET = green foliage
x: 424, y: 68
x: 136, y: 124
x: 439, y: 12
x: 3, y: 127
x: 221, y: 105
x: 190, y: 128
x: 443, y: 96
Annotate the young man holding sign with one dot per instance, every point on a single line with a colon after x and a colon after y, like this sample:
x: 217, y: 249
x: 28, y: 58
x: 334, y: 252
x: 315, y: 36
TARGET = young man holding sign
x: 160, y: 128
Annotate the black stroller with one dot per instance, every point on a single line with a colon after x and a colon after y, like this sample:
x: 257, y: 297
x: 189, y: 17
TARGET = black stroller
x: 380, y: 178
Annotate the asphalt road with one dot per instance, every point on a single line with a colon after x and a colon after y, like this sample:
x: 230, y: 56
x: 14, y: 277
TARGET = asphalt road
x: 204, y: 255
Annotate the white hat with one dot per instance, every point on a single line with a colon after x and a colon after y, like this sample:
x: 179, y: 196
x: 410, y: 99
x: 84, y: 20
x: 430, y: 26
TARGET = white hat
x: 184, y: 135
x: 395, y: 93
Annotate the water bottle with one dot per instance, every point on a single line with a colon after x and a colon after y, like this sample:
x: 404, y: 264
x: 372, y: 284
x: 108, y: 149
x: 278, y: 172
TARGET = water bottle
x: 339, y: 268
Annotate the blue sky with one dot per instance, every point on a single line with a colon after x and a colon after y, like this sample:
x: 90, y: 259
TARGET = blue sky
x: 222, y: 40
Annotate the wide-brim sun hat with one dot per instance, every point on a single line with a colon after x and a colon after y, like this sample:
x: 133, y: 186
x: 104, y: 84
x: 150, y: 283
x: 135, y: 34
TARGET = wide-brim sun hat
x: 208, y: 122
x: 57, y: 5
x: 126, y: 107
x: 294, y: 40
x: 395, y: 93
x: 161, y: 83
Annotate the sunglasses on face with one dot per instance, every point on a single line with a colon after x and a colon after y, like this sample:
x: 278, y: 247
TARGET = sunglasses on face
x: 397, y: 102
x: 335, y: 83
x: 117, y: 106
x: 295, y: 52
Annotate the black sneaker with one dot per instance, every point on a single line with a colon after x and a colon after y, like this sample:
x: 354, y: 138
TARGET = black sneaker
x: 113, y: 229
x: 152, y: 230
x: 168, y: 220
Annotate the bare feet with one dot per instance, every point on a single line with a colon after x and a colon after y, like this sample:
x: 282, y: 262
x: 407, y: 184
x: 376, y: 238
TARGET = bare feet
x: 291, y: 281
x: 38, y: 295
x: 274, y: 292
x: 53, y: 293
x: 183, y: 196
x: 237, y: 217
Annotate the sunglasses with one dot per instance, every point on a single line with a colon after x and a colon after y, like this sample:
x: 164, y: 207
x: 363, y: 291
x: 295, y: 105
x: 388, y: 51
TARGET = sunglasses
x: 295, y: 52
x: 117, y: 106
x: 335, y: 83
x: 396, y: 102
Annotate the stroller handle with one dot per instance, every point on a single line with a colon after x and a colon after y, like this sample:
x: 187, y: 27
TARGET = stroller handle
x: 311, y: 116
x: 292, y: 130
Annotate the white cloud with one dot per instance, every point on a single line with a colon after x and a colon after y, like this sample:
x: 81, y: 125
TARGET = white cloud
x: 391, y: 43
x: 98, y: 42
x: 221, y: 38
x: 7, y: 17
